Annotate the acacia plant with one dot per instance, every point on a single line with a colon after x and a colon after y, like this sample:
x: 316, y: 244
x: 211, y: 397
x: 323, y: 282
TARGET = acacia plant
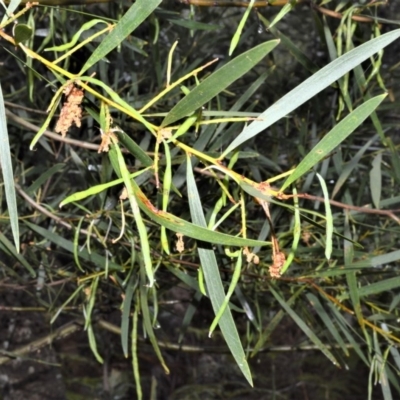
x: 181, y: 188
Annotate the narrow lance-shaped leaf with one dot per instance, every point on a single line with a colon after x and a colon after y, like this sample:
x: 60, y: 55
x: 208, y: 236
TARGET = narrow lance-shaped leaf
x: 376, y: 180
x: 313, y: 85
x: 213, y: 280
x: 144, y: 240
x: 304, y: 327
x: 328, y: 217
x: 218, y: 81
x: 7, y: 171
x: 239, y: 30
x: 126, y: 311
x: 136, y: 14
x: 332, y: 139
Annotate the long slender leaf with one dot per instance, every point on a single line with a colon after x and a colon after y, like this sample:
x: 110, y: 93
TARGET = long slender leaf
x: 96, y: 258
x: 218, y: 81
x: 304, y: 327
x: 7, y: 171
x: 327, y: 320
x: 136, y: 14
x: 126, y: 311
x: 375, y: 177
x: 144, y: 240
x: 380, y: 286
x: 13, y: 251
x: 145, y: 311
x: 313, y: 85
x: 328, y: 217
x: 332, y: 139
x: 213, y: 280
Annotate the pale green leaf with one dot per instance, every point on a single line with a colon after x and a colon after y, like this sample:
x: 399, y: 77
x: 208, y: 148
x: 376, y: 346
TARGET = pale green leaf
x: 332, y: 139
x: 7, y: 172
x: 75, y: 38
x: 313, y: 85
x: 136, y: 14
x: 213, y: 280
x: 375, y: 180
x: 328, y: 218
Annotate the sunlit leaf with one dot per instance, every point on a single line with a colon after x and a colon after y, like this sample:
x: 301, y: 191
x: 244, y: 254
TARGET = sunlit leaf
x: 313, y: 85
x: 7, y: 172
x: 136, y: 14
x: 218, y: 81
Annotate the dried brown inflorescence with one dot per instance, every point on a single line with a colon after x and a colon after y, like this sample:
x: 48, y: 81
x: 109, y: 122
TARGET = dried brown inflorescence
x: 108, y: 138
x: 278, y: 260
x: 71, y: 112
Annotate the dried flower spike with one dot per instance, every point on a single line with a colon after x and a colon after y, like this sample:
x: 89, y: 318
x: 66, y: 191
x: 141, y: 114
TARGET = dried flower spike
x: 71, y: 112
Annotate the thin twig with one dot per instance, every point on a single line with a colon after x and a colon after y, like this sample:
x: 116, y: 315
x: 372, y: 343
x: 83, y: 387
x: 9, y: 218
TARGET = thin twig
x: 218, y: 349
x: 278, y: 3
x: 52, y: 135
x: 62, y: 332
x: 365, y: 209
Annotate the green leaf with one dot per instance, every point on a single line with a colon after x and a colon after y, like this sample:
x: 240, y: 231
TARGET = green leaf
x: 93, y: 257
x: 10, y: 10
x: 328, y: 217
x: 92, y: 298
x: 379, y: 287
x: 7, y: 171
x: 284, y: 10
x: 135, y: 356
x: 44, y: 177
x: 194, y: 25
x: 213, y: 280
x: 232, y: 286
x: 134, y: 149
x: 375, y: 179
x: 95, y: 189
x: 376, y: 261
x: 125, y: 107
x: 218, y: 81
x: 349, y: 167
x: 136, y: 14
x: 273, y: 323
x: 93, y: 344
x: 22, y: 33
x: 332, y: 139
x: 126, y: 311
x: 296, y: 234
x: 304, y: 327
x: 13, y: 251
x: 144, y: 240
x: 313, y: 85
x: 327, y: 320
x: 239, y: 29
x: 188, y: 229
x: 344, y: 325
x: 75, y: 38
x: 145, y: 312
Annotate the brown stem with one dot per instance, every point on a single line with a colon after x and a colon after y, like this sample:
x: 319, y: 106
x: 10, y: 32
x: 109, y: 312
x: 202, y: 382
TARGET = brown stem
x: 388, y: 213
x: 266, y: 3
x: 334, y: 14
x: 52, y: 135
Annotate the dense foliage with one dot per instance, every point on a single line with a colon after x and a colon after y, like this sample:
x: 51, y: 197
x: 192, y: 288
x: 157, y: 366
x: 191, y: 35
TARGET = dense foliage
x: 174, y: 172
